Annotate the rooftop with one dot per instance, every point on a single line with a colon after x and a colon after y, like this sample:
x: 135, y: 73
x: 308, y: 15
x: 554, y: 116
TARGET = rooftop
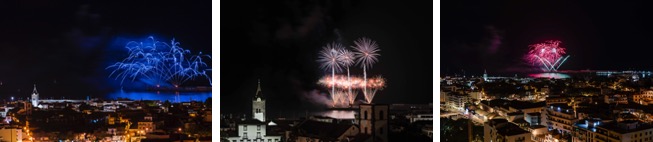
x: 625, y: 127
x: 322, y: 129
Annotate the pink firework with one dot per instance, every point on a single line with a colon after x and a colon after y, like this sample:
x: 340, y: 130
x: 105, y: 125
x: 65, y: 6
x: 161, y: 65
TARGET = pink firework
x: 548, y: 55
x: 342, y: 82
x: 354, y: 82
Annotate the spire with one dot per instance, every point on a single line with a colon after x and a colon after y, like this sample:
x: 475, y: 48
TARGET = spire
x: 34, y: 91
x: 258, y: 89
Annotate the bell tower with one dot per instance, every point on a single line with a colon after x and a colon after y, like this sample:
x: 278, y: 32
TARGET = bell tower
x: 373, y: 119
x: 258, y: 104
x: 35, y: 97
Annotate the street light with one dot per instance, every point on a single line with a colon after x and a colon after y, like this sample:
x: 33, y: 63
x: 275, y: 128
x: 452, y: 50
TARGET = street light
x: 180, y: 136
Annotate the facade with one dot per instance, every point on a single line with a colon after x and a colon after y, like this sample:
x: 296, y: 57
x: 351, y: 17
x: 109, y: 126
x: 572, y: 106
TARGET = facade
x: 644, y: 97
x: 456, y: 101
x: 625, y: 131
x: 11, y: 135
x: 533, y: 118
x: 147, y: 125
x: 253, y: 131
x: 561, y: 118
x: 373, y: 121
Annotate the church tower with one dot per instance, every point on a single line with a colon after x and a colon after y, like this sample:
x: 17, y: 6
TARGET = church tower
x: 35, y: 97
x: 373, y: 119
x: 485, y: 75
x: 258, y: 104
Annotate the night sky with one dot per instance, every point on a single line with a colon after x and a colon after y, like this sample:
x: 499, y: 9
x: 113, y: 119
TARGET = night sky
x: 278, y: 42
x: 494, y: 35
x: 64, y: 46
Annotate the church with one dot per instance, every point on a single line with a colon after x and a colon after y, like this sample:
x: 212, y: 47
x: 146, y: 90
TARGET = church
x: 255, y: 129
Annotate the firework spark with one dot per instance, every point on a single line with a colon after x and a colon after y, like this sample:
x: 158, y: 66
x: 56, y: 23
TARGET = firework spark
x: 548, y: 55
x: 366, y: 52
x: 160, y: 62
x: 329, y: 58
x: 341, y: 81
x: 347, y: 59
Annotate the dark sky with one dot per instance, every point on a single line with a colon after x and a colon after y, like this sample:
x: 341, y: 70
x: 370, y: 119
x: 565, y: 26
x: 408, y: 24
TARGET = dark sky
x: 64, y: 46
x: 278, y: 42
x: 495, y: 35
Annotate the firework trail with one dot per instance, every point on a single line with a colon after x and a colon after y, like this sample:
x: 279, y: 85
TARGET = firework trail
x: 548, y: 55
x: 366, y: 54
x: 329, y: 58
x: 344, y: 82
x: 347, y: 59
x: 161, y: 62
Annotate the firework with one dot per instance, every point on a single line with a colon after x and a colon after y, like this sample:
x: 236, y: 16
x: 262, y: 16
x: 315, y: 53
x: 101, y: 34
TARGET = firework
x: 343, y: 82
x: 329, y: 58
x: 548, y: 55
x: 354, y: 82
x: 160, y: 62
x: 366, y: 53
x: 347, y: 59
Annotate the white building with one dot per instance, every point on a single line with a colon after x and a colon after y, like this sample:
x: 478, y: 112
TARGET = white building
x: 560, y: 117
x: 456, y: 101
x: 254, y: 129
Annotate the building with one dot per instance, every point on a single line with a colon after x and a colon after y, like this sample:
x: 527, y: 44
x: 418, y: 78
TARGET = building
x: 258, y: 105
x: 35, y: 97
x: 373, y: 121
x: 533, y: 118
x: 500, y: 130
x: 315, y: 131
x: 456, y: 101
x: 10, y: 134
x: 254, y: 129
x: 584, y: 129
x: 560, y: 117
x: 625, y: 131
x: 644, y: 97
x: 146, y: 125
